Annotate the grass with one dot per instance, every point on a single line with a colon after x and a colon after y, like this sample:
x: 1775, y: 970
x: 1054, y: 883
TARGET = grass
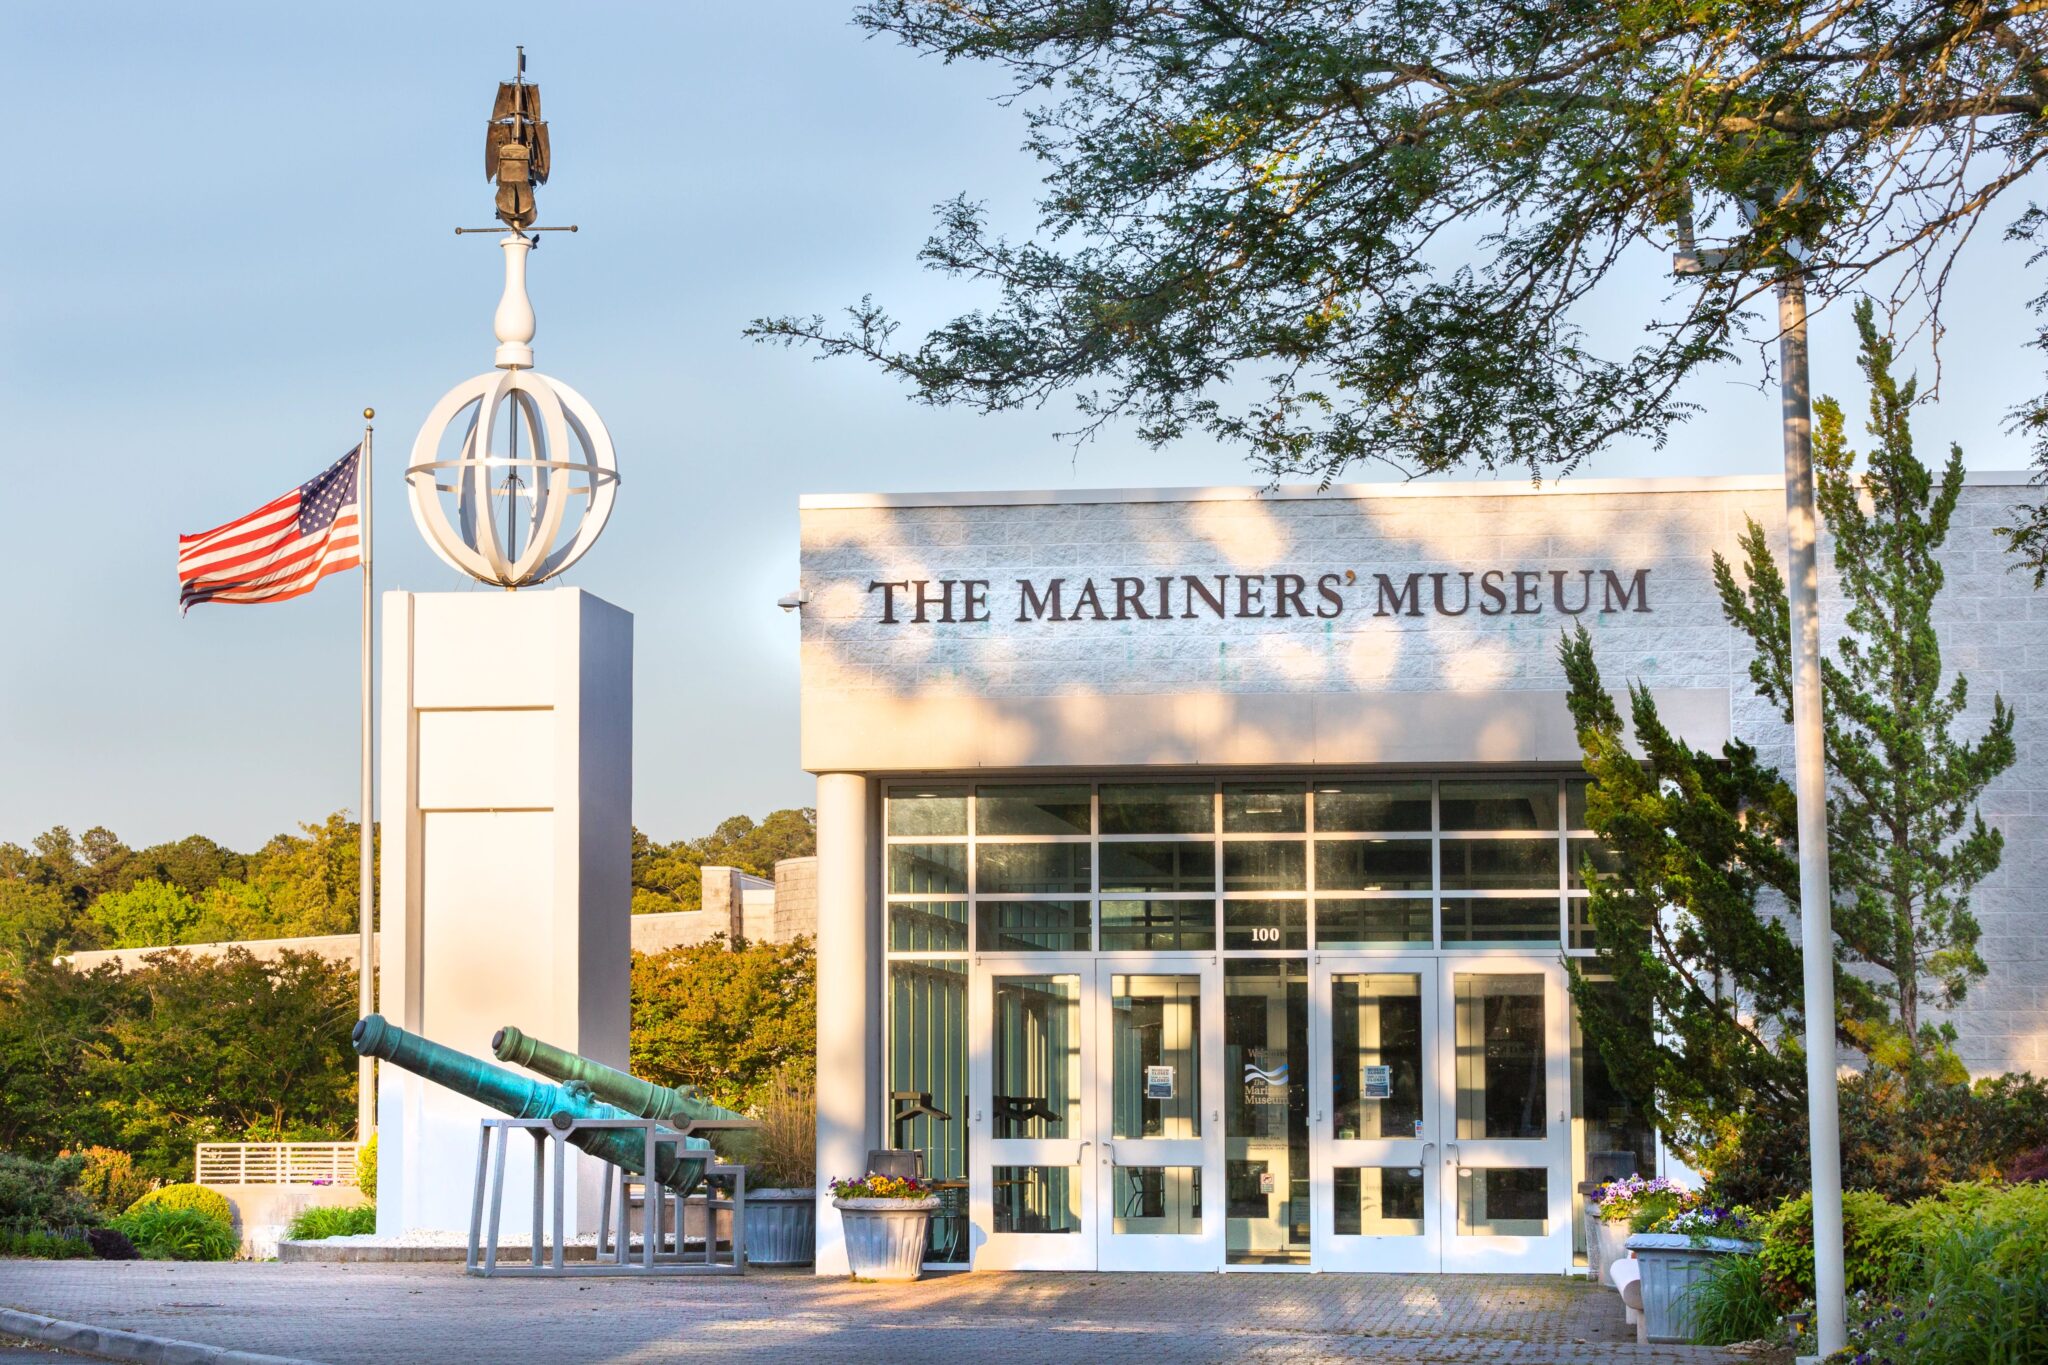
x: 313, y: 1225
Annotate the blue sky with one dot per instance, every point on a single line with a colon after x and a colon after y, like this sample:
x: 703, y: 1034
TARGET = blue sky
x: 230, y: 230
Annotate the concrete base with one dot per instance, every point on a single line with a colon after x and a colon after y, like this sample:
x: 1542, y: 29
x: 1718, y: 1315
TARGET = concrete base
x: 263, y: 1212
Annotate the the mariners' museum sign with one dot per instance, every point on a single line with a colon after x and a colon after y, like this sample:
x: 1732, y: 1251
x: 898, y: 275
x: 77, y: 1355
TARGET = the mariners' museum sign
x: 1280, y: 596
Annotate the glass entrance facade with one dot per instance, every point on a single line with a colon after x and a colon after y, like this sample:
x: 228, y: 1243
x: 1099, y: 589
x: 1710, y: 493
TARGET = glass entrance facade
x: 1121, y: 938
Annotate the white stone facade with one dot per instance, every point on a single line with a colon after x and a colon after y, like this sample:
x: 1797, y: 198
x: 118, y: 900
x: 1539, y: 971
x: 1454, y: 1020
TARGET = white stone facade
x: 1309, y: 667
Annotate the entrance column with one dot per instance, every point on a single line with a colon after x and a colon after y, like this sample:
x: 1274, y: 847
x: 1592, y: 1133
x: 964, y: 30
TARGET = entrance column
x: 849, y: 1006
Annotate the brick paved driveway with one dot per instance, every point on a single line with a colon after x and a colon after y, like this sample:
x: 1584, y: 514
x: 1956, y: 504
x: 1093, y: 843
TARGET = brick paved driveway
x: 371, y: 1314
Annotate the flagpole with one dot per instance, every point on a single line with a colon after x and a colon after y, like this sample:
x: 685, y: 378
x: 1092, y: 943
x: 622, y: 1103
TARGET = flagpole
x: 366, y: 959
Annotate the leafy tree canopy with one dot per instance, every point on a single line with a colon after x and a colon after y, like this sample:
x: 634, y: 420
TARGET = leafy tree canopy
x: 178, y: 1051
x: 726, y: 1021
x: 1333, y: 231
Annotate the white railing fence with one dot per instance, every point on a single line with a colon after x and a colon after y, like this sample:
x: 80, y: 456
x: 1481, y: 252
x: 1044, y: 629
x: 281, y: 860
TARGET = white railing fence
x: 277, y: 1163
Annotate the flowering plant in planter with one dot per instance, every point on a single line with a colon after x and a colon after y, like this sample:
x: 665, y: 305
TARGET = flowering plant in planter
x: 872, y: 1186
x: 1638, y: 1201
x: 1702, y: 1221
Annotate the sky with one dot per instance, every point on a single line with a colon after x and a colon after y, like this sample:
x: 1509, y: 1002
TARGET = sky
x: 230, y: 230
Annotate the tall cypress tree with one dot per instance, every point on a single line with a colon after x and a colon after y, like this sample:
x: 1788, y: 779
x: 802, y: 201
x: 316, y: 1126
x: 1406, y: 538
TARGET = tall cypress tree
x: 1906, y: 841
x: 1694, y: 998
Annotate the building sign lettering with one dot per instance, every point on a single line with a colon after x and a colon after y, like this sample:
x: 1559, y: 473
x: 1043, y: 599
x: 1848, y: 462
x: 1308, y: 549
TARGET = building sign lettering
x: 1279, y: 596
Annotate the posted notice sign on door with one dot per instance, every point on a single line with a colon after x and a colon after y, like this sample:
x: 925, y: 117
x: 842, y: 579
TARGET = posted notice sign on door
x: 1158, y: 1082
x: 1379, y: 1082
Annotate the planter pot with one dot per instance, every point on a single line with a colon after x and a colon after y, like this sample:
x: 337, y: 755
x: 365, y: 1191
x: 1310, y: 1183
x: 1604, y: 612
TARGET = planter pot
x: 782, y: 1227
x: 1607, y: 1245
x: 885, y: 1237
x: 1672, y: 1264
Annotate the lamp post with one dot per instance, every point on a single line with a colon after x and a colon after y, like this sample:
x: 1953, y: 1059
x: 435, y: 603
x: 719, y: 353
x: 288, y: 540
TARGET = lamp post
x: 1809, y: 784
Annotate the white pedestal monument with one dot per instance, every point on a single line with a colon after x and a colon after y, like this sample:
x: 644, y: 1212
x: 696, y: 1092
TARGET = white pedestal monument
x: 507, y: 785
x: 507, y: 867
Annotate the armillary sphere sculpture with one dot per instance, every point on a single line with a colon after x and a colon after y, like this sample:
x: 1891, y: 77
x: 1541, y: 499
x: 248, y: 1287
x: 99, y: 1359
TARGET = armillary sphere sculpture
x: 528, y: 485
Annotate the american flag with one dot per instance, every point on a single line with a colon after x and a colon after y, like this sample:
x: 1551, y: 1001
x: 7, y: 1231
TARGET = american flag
x: 280, y: 550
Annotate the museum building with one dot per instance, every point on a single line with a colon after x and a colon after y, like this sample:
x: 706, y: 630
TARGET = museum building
x: 1197, y: 869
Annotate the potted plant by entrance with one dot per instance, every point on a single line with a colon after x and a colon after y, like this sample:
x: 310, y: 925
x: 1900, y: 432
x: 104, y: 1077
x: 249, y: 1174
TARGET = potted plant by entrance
x: 1622, y: 1207
x: 782, y: 1212
x: 887, y: 1219
x: 1675, y: 1258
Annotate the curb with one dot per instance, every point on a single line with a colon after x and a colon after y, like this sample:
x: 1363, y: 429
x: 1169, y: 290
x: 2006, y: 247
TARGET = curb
x: 134, y: 1346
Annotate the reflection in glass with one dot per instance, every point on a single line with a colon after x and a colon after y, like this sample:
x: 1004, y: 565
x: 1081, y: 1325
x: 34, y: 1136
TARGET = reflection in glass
x: 1611, y: 1136
x: 1373, y: 865
x: 927, y: 869
x: 928, y: 1052
x: 1265, y: 924
x: 1265, y: 865
x: 1156, y: 1200
x: 1500, y: 864
x: 1503, y: 1201
x: 928, y: 926
x: 1131, y: 925
x: 1037, y: 1199
x: 1499, y: 1039
x: 1156, y: 1056
x: 1036, y: 1056
x: 1606, y: 862
x: 1265, y: 1109
x: 1378, y: 1201
x: 1031, y: 810
x: 1372, y: 807
x: 1264, y: 808
x: 1158, y: 808
x: 1032, y: 927
x: 1345, y: 923
x: 1376, y: 1055
x: 1579, y: 931
x: 1575, y: 803
x: 1031, y: 869
x: 936, y: 812
x: 1530, y: 803
x: 1171, y: 866
x: 1501, y: 919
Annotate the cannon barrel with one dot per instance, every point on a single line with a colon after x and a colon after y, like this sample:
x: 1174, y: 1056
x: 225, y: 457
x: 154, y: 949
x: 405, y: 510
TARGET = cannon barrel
x: 522, y: 1097
x: 670, y: 1104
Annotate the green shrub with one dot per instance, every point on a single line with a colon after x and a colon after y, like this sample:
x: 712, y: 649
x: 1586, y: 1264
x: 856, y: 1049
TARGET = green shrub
x: 164, y: 1232
x: 110, y: 1180
x: 1979, y: 1272
x: 43, y: 1192
x: 43, y: 1245
x: 311, y: 1225
x: 212, y: 1203
x: 1877, y: 1244
x: 366, y: 1169
x: 1907, y: 1132
x: 1730, y: 1304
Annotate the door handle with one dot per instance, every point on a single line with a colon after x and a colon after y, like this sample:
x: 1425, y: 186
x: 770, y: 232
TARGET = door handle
x: 1108, y: 1153
x: 1081, y: 1152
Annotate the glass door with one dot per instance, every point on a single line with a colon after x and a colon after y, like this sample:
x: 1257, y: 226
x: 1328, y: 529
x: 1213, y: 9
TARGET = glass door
x: 1161, y: 1152
x: 1505, y: 1082
x: 1031, y: 1191
x: 1265, y: 1112
x: 1375, y: 1115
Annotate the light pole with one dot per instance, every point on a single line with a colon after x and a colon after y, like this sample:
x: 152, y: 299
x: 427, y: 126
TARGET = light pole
x: 1810, y: 786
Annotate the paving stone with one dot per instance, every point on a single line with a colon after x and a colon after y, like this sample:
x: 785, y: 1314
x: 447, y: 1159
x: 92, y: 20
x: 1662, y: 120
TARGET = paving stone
x: 380, y: 1315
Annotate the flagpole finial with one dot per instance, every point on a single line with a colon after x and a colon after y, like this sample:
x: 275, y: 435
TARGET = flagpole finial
x: 369, y: 414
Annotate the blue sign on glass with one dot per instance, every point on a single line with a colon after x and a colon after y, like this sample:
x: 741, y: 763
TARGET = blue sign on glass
x: 1158, y: 1082
x: 1379, y: 1082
